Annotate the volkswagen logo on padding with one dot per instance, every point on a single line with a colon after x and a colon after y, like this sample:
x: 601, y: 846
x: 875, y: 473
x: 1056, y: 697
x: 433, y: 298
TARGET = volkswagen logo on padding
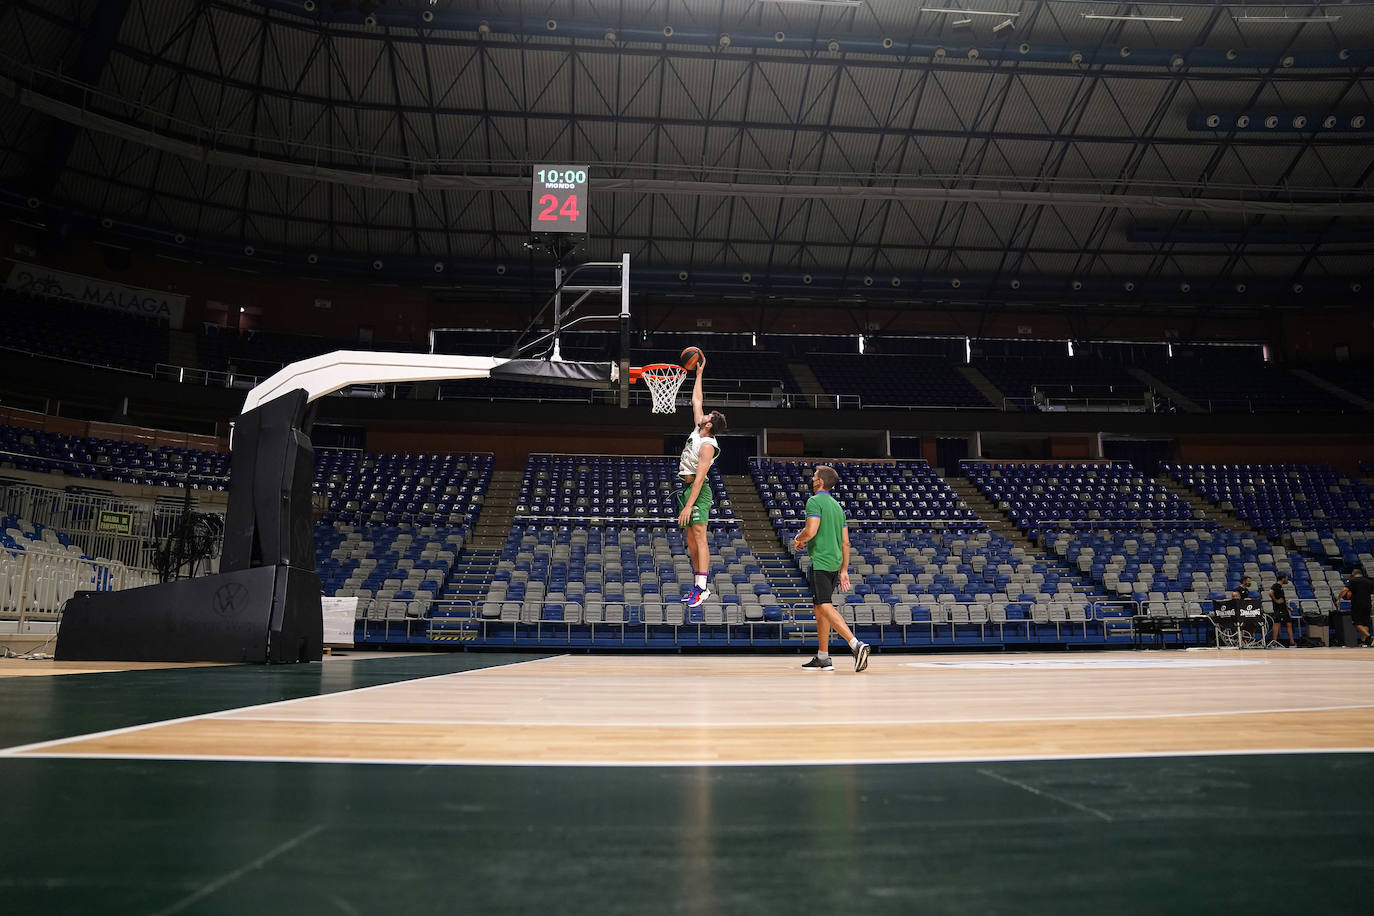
x: 230, y: 600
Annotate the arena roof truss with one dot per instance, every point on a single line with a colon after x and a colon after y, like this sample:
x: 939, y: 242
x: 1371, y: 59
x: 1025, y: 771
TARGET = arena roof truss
x: 794, y: 152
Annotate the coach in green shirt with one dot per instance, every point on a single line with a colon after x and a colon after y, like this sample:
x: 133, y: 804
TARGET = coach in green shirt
x: 826, y: 538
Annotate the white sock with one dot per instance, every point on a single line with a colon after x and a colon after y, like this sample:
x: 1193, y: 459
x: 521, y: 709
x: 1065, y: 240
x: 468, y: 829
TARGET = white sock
x: 700, y: 580
x: 823, y: 655
x: 854, y: 644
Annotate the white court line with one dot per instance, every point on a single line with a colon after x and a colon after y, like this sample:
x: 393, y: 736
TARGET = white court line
x: 130, y: 729
x: 774, y: 723
x: 1052, y: 797
x: 237, y: 873
x: 673, y: 764
x: 1103, y: 664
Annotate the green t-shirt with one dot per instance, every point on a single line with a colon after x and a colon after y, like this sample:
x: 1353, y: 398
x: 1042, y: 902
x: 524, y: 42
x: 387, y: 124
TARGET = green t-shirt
x: 825, y: 547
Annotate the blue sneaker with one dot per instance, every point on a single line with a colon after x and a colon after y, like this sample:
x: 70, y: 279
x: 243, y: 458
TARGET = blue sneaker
x: 691, y: 594
x: 698, y: 596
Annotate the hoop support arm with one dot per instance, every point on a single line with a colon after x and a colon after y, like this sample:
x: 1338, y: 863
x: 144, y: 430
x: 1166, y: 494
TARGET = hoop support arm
x: 322, y: 375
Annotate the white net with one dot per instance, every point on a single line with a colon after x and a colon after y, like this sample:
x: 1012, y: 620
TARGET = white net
x: 664, y: 382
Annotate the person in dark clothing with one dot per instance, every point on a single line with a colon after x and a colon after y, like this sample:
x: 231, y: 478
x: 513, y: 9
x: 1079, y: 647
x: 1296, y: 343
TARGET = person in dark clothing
x: 1281, y: 613
x: 1359, y: 589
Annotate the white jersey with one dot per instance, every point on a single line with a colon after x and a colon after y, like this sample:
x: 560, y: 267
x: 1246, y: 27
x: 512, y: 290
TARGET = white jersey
x: 691, y: 453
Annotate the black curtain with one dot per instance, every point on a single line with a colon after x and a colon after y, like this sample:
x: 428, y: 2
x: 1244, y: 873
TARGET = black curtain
x: 949, y: 451
x: 1146, y: 455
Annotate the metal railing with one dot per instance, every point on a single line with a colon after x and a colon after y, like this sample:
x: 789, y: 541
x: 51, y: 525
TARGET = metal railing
x: 1265, y: 405
x: 1051, y: 403
x: 127, y: 531
x: 210, y: 378
x: 74, y: 362
x: 34, y: 584
x: 741, y: 397
x: 497, y: 620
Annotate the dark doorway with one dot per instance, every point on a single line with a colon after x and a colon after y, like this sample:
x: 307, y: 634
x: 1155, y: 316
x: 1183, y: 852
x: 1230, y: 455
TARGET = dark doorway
x: 949, y: 451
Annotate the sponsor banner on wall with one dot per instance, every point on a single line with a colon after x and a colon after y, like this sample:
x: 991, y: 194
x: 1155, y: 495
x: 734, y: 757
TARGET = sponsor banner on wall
x: 42, y: 281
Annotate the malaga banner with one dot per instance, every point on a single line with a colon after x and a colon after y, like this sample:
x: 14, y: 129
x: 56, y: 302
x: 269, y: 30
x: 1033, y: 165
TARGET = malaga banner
x: 42, y: 281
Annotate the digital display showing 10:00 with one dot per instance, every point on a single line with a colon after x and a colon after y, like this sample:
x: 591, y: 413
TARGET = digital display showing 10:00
x: 559, y: 199
x: 570, y: 176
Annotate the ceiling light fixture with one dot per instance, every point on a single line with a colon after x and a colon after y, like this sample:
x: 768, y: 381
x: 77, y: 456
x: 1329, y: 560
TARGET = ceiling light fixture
x: 820, y: 2
x: 1295, y: 20
x: 1112, y: 18
x: 945, y: 9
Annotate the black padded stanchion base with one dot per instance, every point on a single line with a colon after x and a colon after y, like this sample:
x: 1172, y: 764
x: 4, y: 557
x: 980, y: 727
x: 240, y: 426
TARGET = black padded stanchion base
x: 265, y: 614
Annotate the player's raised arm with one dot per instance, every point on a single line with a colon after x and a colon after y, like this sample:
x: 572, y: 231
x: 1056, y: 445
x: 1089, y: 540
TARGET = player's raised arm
x: 697, y: 415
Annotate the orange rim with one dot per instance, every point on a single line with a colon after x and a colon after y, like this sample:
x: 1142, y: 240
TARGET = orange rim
x: 655, y: 370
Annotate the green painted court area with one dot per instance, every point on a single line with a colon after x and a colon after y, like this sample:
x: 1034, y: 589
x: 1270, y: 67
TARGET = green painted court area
x: 1267, y: 834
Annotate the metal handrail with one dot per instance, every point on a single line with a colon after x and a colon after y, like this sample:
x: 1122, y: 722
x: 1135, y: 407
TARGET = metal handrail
x: 36, y: 582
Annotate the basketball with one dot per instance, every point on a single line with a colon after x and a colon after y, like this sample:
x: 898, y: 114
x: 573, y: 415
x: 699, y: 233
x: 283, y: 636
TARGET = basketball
x: 691, y: 356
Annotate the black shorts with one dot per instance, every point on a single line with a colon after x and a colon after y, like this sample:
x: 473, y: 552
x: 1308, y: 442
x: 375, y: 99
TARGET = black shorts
x: 1360, y: 616
x: 823, y: 585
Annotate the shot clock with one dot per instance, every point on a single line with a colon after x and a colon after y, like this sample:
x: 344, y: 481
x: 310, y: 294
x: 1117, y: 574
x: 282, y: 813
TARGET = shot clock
x: 560, y: 199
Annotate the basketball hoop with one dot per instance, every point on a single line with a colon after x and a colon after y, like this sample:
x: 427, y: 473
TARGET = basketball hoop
x: 663, y: 380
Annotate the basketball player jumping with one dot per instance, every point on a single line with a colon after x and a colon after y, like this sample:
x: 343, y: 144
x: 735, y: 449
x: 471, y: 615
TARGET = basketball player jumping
x: 694, y: 497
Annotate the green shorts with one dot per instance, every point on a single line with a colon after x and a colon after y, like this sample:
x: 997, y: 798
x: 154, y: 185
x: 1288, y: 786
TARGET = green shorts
x: 701, y: 510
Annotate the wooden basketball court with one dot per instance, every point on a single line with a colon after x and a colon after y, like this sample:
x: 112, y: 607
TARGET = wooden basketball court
x: 764, y: 710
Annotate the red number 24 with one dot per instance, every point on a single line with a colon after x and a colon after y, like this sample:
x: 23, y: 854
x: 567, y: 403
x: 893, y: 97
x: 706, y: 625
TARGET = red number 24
x: 552, y: 210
